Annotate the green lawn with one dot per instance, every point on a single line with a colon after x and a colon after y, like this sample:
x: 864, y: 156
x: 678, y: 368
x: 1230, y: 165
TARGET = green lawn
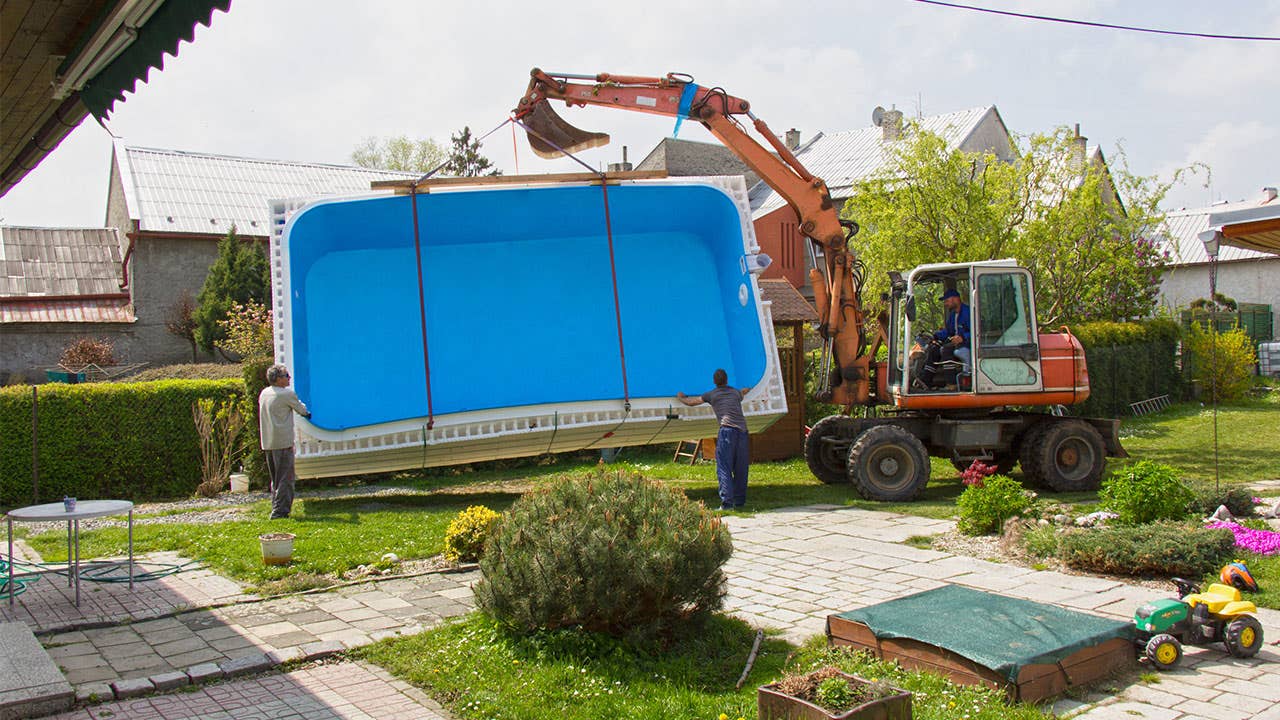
x: 478, y: 670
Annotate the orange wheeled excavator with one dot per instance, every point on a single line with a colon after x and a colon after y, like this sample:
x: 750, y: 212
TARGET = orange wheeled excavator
x: 963, y: 411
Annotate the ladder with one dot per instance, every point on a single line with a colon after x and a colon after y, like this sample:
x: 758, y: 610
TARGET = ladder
x: 688, y: 449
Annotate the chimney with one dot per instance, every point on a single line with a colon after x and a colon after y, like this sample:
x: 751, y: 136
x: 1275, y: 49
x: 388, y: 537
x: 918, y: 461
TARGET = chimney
x: 1080, y: 145
x: 793, y: 139
x: 623, y: 166
x: 1268, y: 194
x: 891, y: 125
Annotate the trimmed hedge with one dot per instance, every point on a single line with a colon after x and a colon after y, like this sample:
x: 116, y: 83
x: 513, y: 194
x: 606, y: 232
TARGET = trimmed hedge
x: 132, y: 441
x: 1163, y: 549
x: 1129, y: 362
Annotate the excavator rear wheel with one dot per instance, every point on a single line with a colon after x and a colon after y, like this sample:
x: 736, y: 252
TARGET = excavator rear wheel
x: 826, y: 459
x: 889, y: 464
x: 1067, y: 456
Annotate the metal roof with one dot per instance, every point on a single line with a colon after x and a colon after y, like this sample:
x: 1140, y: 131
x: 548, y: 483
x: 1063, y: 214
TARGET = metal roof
x: 188, y: 192
x: 844, y: 158
x: 61, y: 275
x: 1182, y: 228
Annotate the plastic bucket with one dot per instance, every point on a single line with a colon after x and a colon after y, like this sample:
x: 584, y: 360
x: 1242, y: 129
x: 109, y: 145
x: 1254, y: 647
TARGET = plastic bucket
x: 277, y: 548
x: 239, y: 483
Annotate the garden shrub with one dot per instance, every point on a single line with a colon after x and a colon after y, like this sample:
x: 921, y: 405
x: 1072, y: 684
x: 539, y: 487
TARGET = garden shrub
x: 1229, y: 372
x: 1164, y: 549
x: 984, y: 508
x: 616, y: 554
x: 1041, y: 541
x: 1128, y: 362
x: 465, y: 537
x: 1207, y: 499
x: 1145, y: 492
x: 254, y: 374
x: 105, y: 440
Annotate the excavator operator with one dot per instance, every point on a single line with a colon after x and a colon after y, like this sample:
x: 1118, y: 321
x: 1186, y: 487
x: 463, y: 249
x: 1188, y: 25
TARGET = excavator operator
x: 952, y: 340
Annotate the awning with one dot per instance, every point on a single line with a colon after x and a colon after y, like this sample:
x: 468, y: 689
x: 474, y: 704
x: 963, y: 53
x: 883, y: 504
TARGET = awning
x: 1251, y: 228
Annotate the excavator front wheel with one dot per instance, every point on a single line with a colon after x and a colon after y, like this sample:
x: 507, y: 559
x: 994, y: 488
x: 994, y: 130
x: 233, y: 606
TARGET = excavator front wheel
x: 826, y: 459
x: 889, y: 464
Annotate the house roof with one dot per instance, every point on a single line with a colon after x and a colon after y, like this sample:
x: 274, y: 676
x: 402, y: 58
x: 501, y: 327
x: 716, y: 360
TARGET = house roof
x: 1182, y: 228
x: 61, y: 275
x: 65, y: 59
x: 682, y: 158
x: 788, y: 304
x: 844, y: 158
x: 189, y: 192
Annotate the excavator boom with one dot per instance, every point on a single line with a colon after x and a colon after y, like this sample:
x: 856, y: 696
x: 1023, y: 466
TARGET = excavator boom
x: 837, y: 291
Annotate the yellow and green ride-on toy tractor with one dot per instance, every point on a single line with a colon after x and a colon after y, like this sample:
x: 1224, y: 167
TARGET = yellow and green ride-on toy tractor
x: 1197, y: 618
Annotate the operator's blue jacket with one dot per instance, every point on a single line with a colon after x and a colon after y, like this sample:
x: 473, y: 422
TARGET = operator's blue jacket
x: 957, y: 324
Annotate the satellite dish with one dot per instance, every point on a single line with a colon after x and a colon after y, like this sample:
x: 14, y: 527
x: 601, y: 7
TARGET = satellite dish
x: 877, y: 116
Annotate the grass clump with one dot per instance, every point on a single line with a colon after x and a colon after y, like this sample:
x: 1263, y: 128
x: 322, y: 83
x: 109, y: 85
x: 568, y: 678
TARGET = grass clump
x: 1161, y: 549
x: 615, y: 554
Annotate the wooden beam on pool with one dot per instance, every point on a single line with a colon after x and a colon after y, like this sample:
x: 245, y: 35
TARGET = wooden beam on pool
x: 402, y: 187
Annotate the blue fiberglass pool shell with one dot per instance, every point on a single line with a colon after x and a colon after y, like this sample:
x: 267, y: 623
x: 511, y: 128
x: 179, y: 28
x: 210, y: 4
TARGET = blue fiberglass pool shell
x: 519, y: 300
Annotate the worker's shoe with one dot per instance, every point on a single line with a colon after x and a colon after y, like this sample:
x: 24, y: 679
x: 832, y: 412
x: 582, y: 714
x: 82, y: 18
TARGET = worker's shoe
x: 725, y: 507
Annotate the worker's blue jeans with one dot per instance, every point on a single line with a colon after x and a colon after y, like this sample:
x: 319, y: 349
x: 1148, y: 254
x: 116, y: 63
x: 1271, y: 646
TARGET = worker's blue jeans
x: 733, y: 456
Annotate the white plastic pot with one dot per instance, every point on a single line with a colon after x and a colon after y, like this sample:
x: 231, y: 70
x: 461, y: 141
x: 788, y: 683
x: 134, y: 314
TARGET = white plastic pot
x: 277, y: 548
x: 239, y: 483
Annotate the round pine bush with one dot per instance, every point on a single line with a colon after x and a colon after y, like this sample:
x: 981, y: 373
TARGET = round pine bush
x: 1145, y: 492
x: 1237, y: 498
x: 984, y: 508
x: 620, y: 555
x: 464, y: 539
x: 1161, y: 549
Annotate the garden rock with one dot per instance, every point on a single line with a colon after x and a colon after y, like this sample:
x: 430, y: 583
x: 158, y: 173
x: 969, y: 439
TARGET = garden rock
x: 1094, y: 519
x: 1062, y: 519
x: 1222, y: 514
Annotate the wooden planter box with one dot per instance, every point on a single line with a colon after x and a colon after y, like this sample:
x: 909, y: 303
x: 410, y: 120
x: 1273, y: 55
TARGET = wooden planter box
x: 774, y: 705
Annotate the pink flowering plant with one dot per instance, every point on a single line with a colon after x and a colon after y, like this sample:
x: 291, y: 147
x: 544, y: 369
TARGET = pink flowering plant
x: 977, y: 473
x: 1262, y: 542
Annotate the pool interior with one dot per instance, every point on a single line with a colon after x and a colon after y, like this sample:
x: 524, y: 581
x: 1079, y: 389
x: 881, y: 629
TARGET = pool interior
x: 519, y: 300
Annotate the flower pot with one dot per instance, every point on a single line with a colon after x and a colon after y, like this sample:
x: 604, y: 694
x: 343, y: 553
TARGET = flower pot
x: 773, y: 704
x: 239, y: 483
x: 277, y: 548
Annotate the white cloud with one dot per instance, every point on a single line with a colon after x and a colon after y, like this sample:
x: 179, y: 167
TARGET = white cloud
x: 1239, y: 160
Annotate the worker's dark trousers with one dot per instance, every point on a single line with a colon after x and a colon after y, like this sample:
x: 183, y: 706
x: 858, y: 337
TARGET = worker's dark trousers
x: 733, y: 457
x: 280, y: 466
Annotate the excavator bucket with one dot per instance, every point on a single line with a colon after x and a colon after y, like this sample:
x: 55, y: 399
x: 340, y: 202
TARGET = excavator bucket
x: 549, y: 133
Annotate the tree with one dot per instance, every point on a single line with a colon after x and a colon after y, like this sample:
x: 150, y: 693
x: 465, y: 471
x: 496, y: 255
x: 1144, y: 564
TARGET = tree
x: 1080, y: 227
x: 399, y: 153
x: 465, y: 159
x: 181, y: 322
x: 239, y: 275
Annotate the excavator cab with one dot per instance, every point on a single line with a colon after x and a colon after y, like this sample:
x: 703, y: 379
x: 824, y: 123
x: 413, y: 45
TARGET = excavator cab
x: 1003, y: 352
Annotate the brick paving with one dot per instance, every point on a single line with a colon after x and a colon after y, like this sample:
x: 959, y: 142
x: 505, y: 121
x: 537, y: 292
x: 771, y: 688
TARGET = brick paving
x: 339, y: 691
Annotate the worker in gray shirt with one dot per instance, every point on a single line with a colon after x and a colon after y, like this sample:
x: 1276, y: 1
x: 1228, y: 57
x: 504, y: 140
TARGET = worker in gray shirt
x: 276, y: 406
x: 733, y: 451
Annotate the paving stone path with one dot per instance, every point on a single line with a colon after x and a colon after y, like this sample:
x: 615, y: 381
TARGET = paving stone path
x: 790, y: 569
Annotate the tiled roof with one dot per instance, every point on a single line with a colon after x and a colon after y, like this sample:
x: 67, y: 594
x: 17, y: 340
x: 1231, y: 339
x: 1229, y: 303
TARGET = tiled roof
x: 844, y: 158
x: 681, y: 158
x: 788, y: 304
x: 1182, y: 228
x: 176, y: 191
x: 58, y: 261
x: 104, y: 310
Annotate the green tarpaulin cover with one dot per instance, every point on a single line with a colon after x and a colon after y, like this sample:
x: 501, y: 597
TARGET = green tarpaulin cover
x: 997, y: 632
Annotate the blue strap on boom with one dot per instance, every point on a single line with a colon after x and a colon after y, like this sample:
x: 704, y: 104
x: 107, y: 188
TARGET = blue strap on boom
x: 686, y: 101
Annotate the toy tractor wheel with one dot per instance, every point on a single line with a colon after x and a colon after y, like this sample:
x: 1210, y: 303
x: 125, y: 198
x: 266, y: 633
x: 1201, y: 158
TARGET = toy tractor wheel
x: 1164, y: 651
x: 1243, y: 636
x: 888, y: 464
x: 826, y: 459
x: 1069, y: 456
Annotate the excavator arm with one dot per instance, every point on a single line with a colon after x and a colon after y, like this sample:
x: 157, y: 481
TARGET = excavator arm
x: 836, y: 292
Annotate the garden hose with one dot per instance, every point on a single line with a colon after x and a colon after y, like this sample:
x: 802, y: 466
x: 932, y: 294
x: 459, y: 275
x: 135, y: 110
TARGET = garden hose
x: 110, y: 573
x: 19, y: 584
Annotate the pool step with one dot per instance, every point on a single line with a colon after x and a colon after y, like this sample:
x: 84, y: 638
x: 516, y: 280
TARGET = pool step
x: 31, y: 685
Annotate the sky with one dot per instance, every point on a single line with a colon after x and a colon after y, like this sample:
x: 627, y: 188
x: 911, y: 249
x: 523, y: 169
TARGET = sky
x: 307, y: 80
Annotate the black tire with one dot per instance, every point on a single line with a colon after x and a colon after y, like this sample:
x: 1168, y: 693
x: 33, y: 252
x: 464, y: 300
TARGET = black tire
x: 1004, y: 463
x: 888, y: 464
x: 1164, y: 651
x: 1031, y: 474
x: 1243, y: 636
x: 1068, y: 456
x: 826, y: 461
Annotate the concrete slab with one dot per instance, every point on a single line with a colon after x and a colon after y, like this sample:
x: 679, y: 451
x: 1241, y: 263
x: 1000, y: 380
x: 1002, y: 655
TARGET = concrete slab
x: 30, y: 682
